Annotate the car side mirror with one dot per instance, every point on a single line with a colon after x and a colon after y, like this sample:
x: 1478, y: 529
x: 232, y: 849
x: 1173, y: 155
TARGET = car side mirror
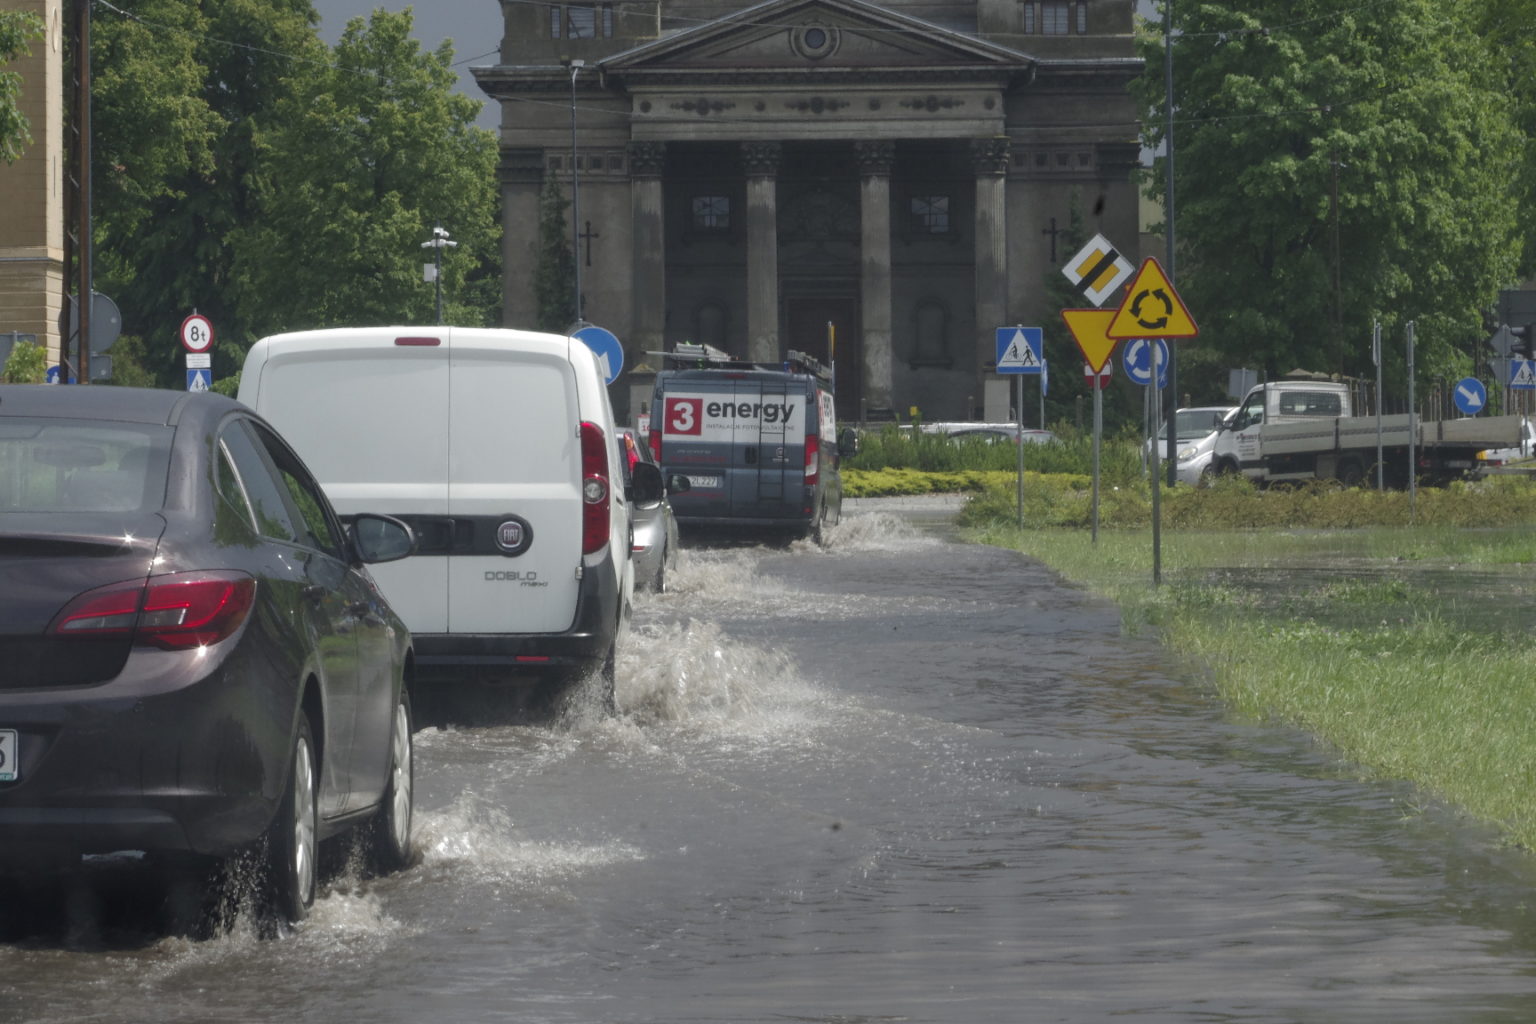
x: 848, y: 442
x: 377, y: 538
x: 645, y: 484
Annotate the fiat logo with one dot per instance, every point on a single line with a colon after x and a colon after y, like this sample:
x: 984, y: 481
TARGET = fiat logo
x: 513, y: 536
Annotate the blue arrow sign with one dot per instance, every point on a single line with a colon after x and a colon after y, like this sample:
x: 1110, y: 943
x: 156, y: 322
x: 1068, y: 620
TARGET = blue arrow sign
x: 1138, y: 356
x: 1470, y: 395
x: 1019, y: 349
x: 610, y: 354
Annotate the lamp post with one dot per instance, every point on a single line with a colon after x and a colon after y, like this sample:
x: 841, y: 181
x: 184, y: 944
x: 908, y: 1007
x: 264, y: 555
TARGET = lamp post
x: 576, y: 66
x: 439, y: 242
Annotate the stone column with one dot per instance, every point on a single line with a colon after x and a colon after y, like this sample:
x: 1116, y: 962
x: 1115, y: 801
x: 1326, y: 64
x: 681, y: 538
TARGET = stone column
x: 989, y: 159
x: 761, y: 160
x: 648, y: 328
x: 875, y: 160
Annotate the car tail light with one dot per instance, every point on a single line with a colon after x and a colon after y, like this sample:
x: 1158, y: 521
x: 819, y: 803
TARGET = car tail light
x: 594, y: 488
x: 175, y: 612
x: 812, y: 466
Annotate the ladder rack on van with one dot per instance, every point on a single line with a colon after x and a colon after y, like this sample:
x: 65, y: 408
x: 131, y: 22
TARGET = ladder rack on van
x: 709, y: 357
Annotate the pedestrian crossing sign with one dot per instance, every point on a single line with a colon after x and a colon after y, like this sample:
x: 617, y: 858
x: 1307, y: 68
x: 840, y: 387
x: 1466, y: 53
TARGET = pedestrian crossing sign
x: 199, y: 380
x: 1019, y: 349
x: 1522, y: 374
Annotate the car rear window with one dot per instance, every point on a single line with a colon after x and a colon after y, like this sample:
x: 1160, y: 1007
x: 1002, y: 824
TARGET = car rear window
x: 51, y: 465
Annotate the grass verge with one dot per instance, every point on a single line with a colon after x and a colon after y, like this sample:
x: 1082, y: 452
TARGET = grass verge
x: 1408, y: 650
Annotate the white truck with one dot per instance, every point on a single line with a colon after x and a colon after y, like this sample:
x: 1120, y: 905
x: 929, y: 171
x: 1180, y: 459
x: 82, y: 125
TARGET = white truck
x: 1301, y: 429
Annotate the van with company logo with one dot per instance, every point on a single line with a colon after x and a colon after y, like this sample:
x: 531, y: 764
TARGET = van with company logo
x: 498, y: 447
x: 758, y: 443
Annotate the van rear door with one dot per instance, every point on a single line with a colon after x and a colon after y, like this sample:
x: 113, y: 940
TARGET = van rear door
x: 367, y: 409
x: 514, y: 466
x: 768, y: 457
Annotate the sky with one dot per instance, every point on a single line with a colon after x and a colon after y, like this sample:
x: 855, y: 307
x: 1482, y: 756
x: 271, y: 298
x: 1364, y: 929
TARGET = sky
x: 473, y: 25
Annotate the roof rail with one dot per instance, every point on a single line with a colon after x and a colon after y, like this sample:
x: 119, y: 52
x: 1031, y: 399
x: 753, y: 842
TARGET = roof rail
x: 801, y: 363
x: 708, y: 357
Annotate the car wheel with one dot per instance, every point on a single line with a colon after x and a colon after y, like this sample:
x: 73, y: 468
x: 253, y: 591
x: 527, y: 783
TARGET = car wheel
x: 659, y: 583
x: 607, y: 682
x: 389, y: 839
x: 1350, y: 473
x: 292, y: 838
x: 818, y: 531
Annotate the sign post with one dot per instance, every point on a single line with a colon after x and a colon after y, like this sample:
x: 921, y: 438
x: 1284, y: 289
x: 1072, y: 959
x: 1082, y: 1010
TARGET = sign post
x: 197, y: 339
x: 1018, y: 352
x: 1088, y: 327
x: 1153, y: 309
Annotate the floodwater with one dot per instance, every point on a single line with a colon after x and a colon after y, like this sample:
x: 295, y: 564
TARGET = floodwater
x: 900, y: 779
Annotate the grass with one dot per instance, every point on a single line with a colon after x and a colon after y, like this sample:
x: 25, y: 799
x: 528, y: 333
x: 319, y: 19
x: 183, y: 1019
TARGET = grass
x: 1360, y: 636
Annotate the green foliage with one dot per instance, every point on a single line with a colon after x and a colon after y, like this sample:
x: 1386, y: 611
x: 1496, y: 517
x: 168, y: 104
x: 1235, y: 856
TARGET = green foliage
x: 28, y: 364
x: 1319, y: 141
x: 356, y: 164
x: 1071, y: 452
x: 245, y: 170
x: 554, y: 273
x: 17, y: 29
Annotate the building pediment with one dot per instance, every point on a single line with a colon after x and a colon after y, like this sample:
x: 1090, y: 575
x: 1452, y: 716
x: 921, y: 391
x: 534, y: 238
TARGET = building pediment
x: 793, y: 37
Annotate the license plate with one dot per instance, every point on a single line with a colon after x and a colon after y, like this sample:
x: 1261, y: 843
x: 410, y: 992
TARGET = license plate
x: 704, y: 483
x: 10, y: 761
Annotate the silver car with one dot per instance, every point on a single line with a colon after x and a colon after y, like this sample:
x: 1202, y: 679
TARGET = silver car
x: 1195, y: 434
x: 654, y: 547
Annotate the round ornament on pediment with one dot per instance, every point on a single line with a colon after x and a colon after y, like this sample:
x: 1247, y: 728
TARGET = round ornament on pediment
x: 815, y: 41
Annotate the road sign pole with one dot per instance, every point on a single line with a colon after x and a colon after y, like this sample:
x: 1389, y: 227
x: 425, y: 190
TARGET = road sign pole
x: 1381, y: 470
x: 1098, y: 430
x: 1157, y: 508
x: 1413, y: 435
x: 1018, y: 405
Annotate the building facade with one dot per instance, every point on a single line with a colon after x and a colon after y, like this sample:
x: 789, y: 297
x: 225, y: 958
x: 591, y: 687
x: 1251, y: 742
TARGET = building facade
x: 880, y: 185
x: 32, y: 196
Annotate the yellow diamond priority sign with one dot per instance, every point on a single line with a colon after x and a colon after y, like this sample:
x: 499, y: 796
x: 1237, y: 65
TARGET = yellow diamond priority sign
x: 1152, y: 309
x: 1088, y: 327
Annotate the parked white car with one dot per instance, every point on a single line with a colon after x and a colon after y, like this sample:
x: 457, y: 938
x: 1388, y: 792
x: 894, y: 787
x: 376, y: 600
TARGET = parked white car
x: 1493, y: 458
x: 1195, y: 431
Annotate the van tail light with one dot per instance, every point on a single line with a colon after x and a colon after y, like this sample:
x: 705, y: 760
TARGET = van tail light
x: 594, y: 488
x: 176, y: 612
x: 812, y: 465
x: 654, y: 435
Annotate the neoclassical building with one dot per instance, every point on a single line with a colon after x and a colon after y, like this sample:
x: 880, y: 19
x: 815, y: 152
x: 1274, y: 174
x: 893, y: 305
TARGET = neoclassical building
x: 747, y: 175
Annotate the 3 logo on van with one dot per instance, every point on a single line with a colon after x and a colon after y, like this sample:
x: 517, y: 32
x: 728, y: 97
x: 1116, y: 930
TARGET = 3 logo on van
x: 719, y: 418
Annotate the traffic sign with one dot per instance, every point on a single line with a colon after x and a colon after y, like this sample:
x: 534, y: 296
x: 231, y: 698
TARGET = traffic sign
x: 199, y: 380
x: 1098, y: 379
x: 1139, y: 354
x: 196, y: 334
x: 1522, y: 374
x: 1088, y: 327
x: 1098, y: 269
x: 1470, y: 395
x: 1019, y: 349
x: 610, y: 354
x: 1152, y: 308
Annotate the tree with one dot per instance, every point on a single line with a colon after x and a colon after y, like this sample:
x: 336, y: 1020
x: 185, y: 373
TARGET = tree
x: 179, y: 90
x: 355, y: 165
x: 1336, y: 163
x: 1505, y: 26
x: 554, y: 275
x: 17, y: 28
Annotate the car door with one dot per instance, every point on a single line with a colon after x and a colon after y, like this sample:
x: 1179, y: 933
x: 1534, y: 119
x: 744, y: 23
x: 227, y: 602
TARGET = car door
x: 291, y: 512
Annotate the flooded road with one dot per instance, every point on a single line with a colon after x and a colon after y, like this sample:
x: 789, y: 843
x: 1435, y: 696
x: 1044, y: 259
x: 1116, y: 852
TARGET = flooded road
x: 901, y: 779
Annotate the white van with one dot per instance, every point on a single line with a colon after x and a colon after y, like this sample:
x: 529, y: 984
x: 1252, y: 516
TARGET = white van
x: 498, y: 447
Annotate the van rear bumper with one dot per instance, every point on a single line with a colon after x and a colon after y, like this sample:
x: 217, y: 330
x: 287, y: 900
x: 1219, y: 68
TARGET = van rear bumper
x: 527, y: 658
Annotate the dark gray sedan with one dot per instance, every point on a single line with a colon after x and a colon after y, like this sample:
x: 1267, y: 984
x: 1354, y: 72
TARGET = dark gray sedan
x: 194, y: 661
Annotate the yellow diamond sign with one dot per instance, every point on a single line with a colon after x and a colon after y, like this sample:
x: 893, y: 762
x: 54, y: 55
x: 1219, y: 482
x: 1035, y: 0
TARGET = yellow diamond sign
x: 1089, y: 329
x: 1152, y: 309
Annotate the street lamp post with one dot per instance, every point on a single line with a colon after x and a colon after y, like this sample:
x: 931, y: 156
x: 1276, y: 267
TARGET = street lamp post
x: 438, y: 243
x: 576, y: 66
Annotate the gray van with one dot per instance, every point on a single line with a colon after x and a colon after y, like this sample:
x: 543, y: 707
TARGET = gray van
x: 758, y: 443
